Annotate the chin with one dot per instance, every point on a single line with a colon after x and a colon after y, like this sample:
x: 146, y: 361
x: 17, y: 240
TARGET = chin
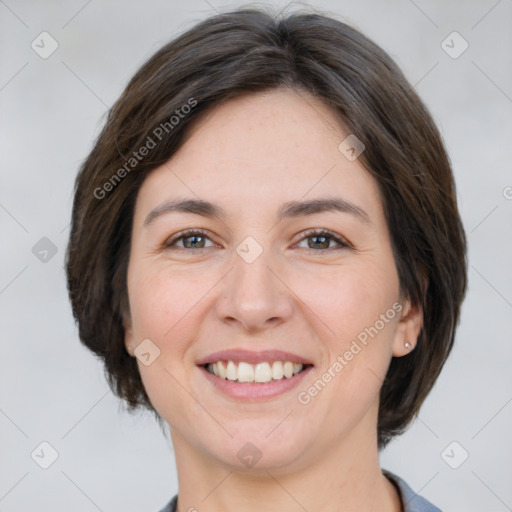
x: 257, y: 454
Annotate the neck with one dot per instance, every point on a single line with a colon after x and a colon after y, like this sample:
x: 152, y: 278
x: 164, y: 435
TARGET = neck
x: 343, y: 479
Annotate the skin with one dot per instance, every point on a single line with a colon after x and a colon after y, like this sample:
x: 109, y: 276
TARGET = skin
x: 250, y: 155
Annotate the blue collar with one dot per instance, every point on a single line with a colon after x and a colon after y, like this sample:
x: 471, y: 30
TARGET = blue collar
x: 411, y: 501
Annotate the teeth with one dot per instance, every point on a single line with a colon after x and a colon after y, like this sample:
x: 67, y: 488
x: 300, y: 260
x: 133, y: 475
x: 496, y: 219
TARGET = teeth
x: 261, y: 372
x: 221, y: 369
x: 245, y: 372
x: 277, y: 370
x: 231, y: 371
x: 288, y: 369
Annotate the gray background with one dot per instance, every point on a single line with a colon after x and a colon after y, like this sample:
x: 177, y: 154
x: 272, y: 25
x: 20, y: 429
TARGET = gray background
x: 52, y: 389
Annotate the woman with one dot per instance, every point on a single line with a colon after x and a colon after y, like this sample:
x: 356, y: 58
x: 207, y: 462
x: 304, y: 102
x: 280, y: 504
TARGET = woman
x: 266, y: 252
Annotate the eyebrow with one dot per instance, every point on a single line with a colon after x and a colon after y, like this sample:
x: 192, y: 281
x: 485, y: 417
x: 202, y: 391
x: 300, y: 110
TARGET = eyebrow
x: 290, y: 209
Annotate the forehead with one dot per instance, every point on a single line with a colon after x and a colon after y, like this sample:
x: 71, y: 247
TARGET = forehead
x: 263, y: 148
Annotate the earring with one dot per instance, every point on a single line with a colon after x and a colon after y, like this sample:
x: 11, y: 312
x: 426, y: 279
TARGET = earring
x: 408, y: 346
x: 130, y: 348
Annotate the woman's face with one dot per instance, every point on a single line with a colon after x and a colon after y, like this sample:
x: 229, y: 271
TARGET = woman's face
x: 261, y: 282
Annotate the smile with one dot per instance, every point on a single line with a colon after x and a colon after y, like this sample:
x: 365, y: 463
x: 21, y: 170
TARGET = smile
x: 262, y: 372
x: 254, y: 376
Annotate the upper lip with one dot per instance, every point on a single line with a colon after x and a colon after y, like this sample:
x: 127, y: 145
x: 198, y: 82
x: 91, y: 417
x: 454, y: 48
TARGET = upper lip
x: 250, y: 356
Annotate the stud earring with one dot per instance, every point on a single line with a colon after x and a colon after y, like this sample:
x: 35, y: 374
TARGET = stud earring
x: 408, y: 346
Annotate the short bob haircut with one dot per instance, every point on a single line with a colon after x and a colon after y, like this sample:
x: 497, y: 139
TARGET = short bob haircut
x: 251, y: 50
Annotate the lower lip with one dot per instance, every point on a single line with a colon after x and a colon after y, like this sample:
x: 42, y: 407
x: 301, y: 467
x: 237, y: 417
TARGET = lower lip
x: 254, y: 391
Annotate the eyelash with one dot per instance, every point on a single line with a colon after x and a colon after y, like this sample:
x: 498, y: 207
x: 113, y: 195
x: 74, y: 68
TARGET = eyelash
x: 342, y: 244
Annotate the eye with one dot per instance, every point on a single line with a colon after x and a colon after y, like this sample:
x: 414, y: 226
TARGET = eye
x: 318, y: 240
x: 192, y: 239
x: 321, y: 240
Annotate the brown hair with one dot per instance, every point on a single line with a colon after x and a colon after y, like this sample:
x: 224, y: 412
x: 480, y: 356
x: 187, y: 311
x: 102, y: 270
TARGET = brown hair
x: 252, y: 50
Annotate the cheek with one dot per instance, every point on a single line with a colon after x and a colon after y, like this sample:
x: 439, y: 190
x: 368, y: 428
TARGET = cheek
x: 162, y: 304
x: 165, y: 310
x: 355, y: 306
x: 157, y: 304
x: 347, y: 299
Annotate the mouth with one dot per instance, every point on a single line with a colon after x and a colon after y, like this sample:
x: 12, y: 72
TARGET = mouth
x: 260, y: 373
x: 251, y: 375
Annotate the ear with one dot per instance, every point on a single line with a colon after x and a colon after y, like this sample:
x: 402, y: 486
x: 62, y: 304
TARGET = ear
x: 129, y: 341
x: 408, y: 329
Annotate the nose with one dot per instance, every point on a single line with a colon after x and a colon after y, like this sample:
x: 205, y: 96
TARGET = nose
x: 255, y: 295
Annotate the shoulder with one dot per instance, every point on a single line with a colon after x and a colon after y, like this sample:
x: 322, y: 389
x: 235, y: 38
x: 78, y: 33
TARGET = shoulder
x: 412, y: 502
x: 171, y: 506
